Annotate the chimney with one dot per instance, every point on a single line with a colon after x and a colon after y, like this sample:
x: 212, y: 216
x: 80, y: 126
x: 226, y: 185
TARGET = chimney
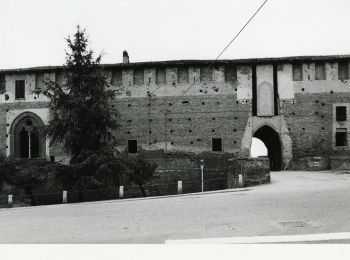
x: 125, y: 57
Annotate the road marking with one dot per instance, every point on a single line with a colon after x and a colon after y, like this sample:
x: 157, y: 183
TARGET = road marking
x: 265, y: 239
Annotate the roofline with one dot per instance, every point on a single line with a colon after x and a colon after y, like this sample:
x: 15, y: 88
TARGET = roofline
x: 290, y: 59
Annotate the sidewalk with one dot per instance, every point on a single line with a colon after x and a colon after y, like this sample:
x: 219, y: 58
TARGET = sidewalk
x: 343, y: 237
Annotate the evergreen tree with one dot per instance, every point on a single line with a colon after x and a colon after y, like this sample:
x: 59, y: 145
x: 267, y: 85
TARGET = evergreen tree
x: 82, y: 118
x: 84, y: 121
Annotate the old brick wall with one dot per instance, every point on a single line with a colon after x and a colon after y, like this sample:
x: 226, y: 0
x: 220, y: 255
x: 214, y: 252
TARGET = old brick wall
x: 171, y: 117
x: 158, y: 117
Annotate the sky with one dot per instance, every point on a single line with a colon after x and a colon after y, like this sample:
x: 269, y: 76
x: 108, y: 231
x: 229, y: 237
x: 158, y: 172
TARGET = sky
x: 33, y: 32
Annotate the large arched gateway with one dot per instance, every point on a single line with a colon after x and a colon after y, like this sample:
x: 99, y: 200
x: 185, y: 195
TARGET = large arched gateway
x: 27, y: 137
x: 272, y: 142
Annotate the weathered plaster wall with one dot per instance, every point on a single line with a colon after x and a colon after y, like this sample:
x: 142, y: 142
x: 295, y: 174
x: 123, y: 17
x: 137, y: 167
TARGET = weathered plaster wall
x: 285, y: 82
x: 214, y: 109
x: 29, y: 88
x: 277, y: 123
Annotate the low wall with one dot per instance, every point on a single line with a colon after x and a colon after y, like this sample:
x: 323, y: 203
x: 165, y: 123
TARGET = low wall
x: 340, y: 163
x: 311, y: 164
x: 186, y: 168
x: 253, y: 171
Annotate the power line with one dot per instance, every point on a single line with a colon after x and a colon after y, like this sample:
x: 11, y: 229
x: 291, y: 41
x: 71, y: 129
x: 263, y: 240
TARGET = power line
x: 233, y: 39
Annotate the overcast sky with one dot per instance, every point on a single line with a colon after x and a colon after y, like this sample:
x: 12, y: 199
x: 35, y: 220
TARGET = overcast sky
x: 32, y: 32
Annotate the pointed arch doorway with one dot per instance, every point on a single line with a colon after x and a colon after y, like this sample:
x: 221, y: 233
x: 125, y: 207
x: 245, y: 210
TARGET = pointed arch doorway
x: 272, y: 142
x: 27, y: 137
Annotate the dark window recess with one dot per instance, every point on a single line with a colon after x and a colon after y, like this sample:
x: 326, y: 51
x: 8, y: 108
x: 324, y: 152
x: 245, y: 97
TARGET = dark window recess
x: 182, y: 75
x: 59, y: 78
x: 340, y: 113
x: 206, y: 74
x: 39, y: 81
x: 185, y: 102
x: 139, y: 77
x: 343, y: 70
x: 341, y: 137
x: 216, y: 144
x: 117, y: 78
x: 230, y: 74
x: 320, y: 71
x: 2, y: 84
x: 19, y: 89
x: 297, y: 72
x: 132, y: 146
x: 254, y: 105
x: 275, y: 90
x: 160, y: 76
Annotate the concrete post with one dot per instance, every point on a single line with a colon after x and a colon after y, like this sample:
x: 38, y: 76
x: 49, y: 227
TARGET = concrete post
x: 10, y: 201
x: 240, y: 181
x: 202, y: 173
x: 179, y: 187
x: 121, y: 192
x: 65, y: 196
x: 268, y: 178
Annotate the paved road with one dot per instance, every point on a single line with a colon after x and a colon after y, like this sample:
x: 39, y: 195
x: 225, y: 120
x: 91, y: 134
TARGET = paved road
x: 294, y: 203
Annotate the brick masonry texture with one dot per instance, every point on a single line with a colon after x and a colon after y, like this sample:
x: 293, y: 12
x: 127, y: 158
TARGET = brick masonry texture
x: 174, y: 118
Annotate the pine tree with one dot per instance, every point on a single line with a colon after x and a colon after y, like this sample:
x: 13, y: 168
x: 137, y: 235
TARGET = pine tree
x: 82, y: 117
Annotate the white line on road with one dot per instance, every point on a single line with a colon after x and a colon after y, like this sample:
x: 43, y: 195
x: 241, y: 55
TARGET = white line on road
x: 266, y: 239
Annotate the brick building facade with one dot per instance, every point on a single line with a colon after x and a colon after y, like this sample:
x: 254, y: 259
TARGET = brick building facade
x: 298, y: 106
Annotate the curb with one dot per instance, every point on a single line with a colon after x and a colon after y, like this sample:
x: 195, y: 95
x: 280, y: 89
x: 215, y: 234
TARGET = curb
x: 132, y: 199
x: 319, y: 238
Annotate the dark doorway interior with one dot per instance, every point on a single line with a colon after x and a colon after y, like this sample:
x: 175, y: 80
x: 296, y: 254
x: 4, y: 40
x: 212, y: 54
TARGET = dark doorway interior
x: 272, y: 142
x: 24, y: 143
x: 34, y: 143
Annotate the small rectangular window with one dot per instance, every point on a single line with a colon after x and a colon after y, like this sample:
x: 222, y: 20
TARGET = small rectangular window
x: 160, y: 76
x: 139, y: 77
x: 340, y: 113
x: 182, y: 75
x: 59, y: 78
x: 19, y: 89
x: 116, y: 78
x: 39, y: 80
x: 132, y: 146
x: 320, y: 71
x: 341, y: 137
x: 216, y: 144
x: 206, y: 74
x: 230, y: 74
x: 343, y: 70
x: 297, y: 72
x: 2, y: 84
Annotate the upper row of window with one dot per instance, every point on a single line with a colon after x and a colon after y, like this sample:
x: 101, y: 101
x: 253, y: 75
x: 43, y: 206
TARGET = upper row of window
x: 320, y: 71
x: 205, y: 75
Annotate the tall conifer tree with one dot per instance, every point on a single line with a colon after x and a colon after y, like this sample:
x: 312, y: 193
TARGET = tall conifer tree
x: 82, y: 117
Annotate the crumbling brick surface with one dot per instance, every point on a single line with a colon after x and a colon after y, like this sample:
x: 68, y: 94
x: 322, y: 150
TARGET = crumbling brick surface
x: 187, y: 105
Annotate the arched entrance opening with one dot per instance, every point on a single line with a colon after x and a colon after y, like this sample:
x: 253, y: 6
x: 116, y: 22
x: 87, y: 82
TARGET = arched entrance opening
x: 257, y: 148
x: 27, y: 137
x: 272, y: 142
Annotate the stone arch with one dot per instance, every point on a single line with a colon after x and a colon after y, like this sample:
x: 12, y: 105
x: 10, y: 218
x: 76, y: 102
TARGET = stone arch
x: 271, y: 138
x: 27, y: 139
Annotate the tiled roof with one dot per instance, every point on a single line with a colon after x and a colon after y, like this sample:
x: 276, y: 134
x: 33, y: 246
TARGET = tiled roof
x: 192, y: 62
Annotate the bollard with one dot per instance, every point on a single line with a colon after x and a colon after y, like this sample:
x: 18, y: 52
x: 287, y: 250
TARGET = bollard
x: 179, y: 187
x: 268, y: 178
x: 65, y: 196
x: 240, y: 181
x: 202, y: 173
x: 10, y: 201
x: 121, y: 192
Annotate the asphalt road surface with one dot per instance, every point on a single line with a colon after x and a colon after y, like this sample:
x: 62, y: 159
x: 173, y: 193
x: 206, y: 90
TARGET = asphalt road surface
x: 294, y: 203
